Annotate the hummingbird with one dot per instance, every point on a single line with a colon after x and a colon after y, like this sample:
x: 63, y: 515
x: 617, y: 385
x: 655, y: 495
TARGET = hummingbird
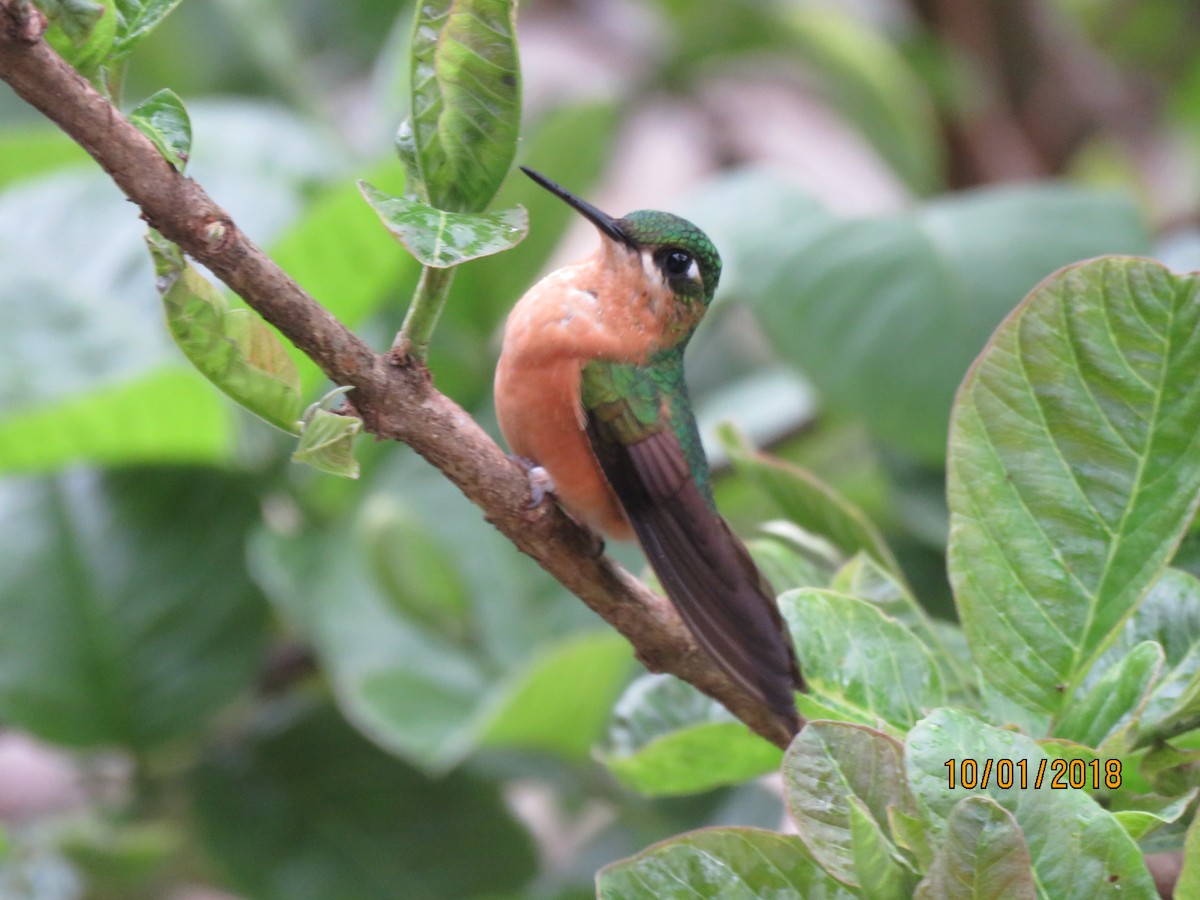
x: 590, y: 397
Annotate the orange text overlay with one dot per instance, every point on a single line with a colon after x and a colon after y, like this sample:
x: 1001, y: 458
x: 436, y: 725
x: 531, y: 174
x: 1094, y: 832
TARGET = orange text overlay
x: 1056, y: 774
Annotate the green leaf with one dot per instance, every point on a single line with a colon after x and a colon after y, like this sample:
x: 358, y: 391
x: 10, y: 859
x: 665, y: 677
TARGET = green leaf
x: 667, y: 739
x: 853, y: 654
x: 232, y: 348
x: 864, y: 578
x: 163, y: 118
x: 81, y: 32
x: 885, y: 314
x: 327, y: 443
x: 879, y: 867
x: 1074, y: 470
x: 85, y: 374
x: 461, y: 135
x: 169, y: 414
x: 909, y: 833
x: 790, y: 557
x: 410, y: 691
x: 729, y: 863
x: 135, y: 20
x: 809, y: 502
x: 558, y: 703
x: 76, y: 18
x: 829, y: 766
x: 416, y: 570
x: 128, y: 616
x: 443, y: 239
x: 1144, y: 814
x: 1170, y: 617
x: 308, y: 810
x: 1115, y: 696
x: 574, y: 143
x: 430, y: 697
x: 1093, y: 859
x: 983, y: 857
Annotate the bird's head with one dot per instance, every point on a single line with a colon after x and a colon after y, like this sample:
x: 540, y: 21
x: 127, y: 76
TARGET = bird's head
x: 671, y: 249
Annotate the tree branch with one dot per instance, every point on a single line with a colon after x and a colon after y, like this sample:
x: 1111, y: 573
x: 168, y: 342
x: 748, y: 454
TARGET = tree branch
x: 392, y: 393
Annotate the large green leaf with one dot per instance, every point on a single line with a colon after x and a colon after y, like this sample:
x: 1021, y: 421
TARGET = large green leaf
x: 726, y: 863
x: 85, y: 373
x: 829, y: 769
x: 69, y: 246
x: 1092, y: 859
x: 169, y: 414
x: 983, y: 857
x: 410, y: 691
x: 442, y: 239
x: 1074, y: 470
x: 885, y: 314
x: 232, y: 348
x: 856, y: 656
x: 461, y: 135
x: 128, y: 615
x: 308, y: 810
x: 433, y: 696
x: 667, y: 738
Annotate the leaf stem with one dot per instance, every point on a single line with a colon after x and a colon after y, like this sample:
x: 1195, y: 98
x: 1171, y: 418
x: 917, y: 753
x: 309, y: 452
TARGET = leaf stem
x: 426, y: 309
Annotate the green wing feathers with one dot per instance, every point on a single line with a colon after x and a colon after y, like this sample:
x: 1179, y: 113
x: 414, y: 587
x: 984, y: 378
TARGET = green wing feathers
x: 634, y: 402
x: 645, y: 439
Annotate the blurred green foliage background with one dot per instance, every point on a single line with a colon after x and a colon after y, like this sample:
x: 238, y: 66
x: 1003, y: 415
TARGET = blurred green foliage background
x: 220, y: 671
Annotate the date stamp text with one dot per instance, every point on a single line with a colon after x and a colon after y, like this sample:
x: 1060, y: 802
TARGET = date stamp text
x: 1056, y: 774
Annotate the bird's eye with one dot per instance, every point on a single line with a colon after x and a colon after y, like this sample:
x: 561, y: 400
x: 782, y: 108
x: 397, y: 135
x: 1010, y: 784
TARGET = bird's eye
x: 678, y: 262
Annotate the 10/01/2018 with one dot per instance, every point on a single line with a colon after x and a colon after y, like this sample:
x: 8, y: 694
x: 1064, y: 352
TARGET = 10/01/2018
x: 1079, y: 774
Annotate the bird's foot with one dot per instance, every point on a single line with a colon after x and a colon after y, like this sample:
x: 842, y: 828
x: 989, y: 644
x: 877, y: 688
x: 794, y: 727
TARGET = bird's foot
x: 540, y: 482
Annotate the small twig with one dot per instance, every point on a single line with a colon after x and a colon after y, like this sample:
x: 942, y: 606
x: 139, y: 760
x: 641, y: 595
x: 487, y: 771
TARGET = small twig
x: 393, y: 392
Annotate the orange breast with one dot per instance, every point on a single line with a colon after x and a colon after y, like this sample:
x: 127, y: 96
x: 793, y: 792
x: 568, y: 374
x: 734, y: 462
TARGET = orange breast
x: 604, y: 307
x: 538, y: 409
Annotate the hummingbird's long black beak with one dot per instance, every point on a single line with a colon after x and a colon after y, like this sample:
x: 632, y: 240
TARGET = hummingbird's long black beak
x: 602, y: 220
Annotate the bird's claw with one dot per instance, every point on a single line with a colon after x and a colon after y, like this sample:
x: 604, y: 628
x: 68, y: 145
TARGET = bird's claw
x: 540, y: 482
